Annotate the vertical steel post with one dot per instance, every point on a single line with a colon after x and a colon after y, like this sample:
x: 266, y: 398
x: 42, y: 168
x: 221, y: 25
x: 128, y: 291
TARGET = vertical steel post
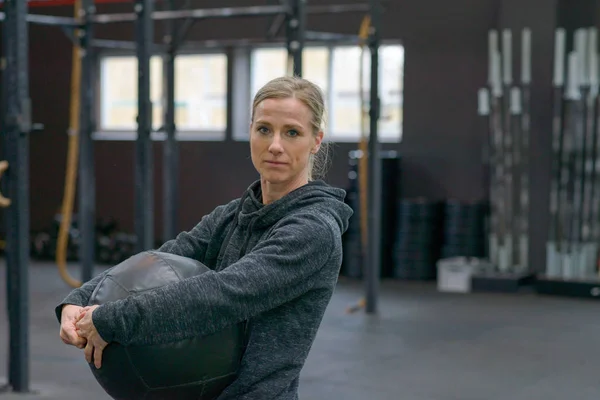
x: 554, y: 246
x: 170, y: 150
x: 525, y: 148
x: 295, y: 29
x: 374, y: 168
x: 144, y: 188
x: 87, y: 181
x: 229, y: 99
x: 16, y: 128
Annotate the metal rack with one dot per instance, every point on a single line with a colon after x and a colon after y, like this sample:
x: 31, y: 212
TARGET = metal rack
x: 17, y: 126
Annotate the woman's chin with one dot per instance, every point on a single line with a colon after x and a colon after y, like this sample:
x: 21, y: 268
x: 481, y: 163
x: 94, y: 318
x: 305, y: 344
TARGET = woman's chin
x: 274, y: 179
x: 282, y: 180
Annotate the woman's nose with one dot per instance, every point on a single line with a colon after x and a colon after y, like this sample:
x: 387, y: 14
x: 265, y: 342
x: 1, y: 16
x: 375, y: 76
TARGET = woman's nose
x: 275, y: 147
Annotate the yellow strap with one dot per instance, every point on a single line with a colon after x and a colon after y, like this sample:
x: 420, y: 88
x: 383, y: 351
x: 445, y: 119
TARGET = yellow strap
x: 363, y: 177
x: 72, y: 163
x: 365, y: 26
x: 4, y: 202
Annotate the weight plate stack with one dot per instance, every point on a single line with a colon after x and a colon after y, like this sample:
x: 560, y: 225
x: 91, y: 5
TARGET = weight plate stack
x: 390, y: 189
x: 352, y: 265
x: 418, y: 238
x: 464, y: 229
x: 352, y: 258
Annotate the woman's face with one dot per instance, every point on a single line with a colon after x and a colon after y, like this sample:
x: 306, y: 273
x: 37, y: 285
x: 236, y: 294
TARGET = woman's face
x: 282, y: 140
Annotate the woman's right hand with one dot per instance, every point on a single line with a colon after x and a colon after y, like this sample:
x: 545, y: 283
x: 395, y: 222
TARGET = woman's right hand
x: 70, y: 315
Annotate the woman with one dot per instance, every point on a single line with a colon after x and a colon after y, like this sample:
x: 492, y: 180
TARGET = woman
x: 275, y: 255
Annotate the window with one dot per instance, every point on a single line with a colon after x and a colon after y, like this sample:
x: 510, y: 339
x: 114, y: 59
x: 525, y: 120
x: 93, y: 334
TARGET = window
x: 391, y: 80
x: 269, y: 63
x: 345, y: 102
x: 337, y: 71
x: 118, y: 93
x: 200, y: 93
x: 345, y: 105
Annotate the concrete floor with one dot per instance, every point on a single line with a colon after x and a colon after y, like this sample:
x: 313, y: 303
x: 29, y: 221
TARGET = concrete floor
x: 423, y: 345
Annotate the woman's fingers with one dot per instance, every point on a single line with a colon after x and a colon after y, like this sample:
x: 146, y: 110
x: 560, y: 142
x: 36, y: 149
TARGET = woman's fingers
x: 80, y: 343
x: 82, y: 313
x: 93, y: 353
x: 89, y: 351
x: 69, y: 335
x: 79, y: 328
x: 98, y: 356
x: 82, y: 327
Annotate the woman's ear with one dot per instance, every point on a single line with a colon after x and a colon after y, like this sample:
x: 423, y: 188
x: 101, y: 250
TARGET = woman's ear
x: 318, y: 140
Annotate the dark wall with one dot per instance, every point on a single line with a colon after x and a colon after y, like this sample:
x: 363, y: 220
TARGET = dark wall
x: 446, y: 63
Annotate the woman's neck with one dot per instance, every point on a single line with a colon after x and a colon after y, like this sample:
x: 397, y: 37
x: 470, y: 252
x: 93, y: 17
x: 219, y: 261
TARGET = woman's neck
x: 274, y: 191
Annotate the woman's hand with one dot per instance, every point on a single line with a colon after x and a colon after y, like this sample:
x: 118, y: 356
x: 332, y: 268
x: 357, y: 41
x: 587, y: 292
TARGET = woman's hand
x: 68, y: 332
x: 95, y: 344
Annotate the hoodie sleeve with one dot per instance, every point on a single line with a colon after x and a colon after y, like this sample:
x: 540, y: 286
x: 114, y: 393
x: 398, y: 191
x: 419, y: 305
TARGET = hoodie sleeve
x: 81, y: 295
x: 193, y: 244
x: 279, y: 269
x: 190, y: 244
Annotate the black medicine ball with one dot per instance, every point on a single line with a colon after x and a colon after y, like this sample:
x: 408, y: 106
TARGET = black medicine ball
x: 197, y: 368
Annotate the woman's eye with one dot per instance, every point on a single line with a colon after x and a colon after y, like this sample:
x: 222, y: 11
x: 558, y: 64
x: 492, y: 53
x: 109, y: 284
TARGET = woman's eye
x: 263, y: 129
x: 293, y: 133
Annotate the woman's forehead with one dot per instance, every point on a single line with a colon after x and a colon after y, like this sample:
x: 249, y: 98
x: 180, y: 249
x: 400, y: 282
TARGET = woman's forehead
x: 289, y: 108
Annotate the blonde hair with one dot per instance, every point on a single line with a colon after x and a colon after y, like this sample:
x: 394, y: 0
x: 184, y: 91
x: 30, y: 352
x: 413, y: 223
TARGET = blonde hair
x: 312, y: 96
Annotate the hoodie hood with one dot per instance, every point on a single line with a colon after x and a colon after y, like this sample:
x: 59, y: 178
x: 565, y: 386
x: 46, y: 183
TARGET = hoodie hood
x: 315, y: 193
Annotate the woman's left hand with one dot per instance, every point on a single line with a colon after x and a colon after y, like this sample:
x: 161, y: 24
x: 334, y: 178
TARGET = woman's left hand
x: 95, y: 344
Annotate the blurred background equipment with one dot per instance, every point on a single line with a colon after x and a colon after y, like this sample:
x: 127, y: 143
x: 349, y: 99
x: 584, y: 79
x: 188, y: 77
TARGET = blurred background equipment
x: 354, y: 257
x: 112, y: 244
x: 417, y: 245
x: 505, y: 106
x: 572, y: 248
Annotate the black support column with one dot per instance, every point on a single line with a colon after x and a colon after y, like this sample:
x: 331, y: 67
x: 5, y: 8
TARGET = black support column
x: 16, y: 127
x: 87, y: 180
x: 144, y: 188
x: 374, y: 168
x: 295, y: 29
x: 170, y: 150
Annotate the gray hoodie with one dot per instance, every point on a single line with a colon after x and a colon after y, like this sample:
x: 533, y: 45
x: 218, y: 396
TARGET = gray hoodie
x: 275, y: 265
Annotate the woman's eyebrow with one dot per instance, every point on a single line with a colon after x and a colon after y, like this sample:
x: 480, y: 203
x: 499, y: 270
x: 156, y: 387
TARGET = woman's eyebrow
x: 295, y: 126
x: 287, y: 126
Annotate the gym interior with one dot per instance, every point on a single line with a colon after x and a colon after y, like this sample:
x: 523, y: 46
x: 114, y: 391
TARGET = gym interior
x: 465, y: 134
